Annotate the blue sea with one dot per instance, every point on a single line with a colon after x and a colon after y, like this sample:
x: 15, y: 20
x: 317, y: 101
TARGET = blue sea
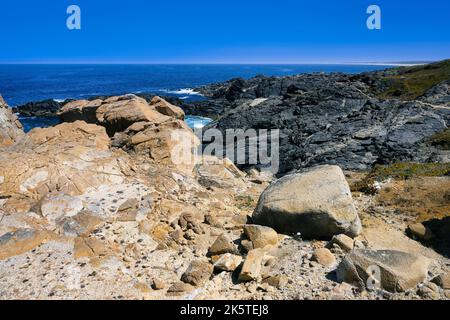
x: 20, y: 84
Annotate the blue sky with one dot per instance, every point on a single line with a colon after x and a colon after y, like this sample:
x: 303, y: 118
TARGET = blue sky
x: 231, y: 31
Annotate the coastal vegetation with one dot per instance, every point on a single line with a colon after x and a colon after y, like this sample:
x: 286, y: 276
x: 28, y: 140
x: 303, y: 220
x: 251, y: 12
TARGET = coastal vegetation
x: 409, y: 83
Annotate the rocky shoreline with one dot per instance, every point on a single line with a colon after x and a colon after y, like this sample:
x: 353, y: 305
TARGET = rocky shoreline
x: 51, y: 107
x: 347, y: 120
x: 97, y: 208
x: 354, y: 121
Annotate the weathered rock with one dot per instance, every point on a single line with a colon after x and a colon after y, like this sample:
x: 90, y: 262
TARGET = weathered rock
x: 132, y: 203
x: 170, y: 143
x: 135, y: 125
x: 10, y: 126
x: 429, y: 291
x: 175, y: 209
x: 228, y: 262
x: 58, y: 206
x: 420, y: 231
x: 83, y: 110
x: 246, y: 245
x: 179, y: 288
x: 158, y: 284
x: 115, y: 113
x: 159, y: 231
x: 222, y: 245
x: 177, y: 236
x: 391, y: 270
x: 155, y: 130
x: 259, y: 177
x: 324, y: 257
x: 89, y: 248
x: 21, y: 241
x: 213, y: 221
x: 277, y: 281
x: 187, y: 221
x: 118, y: 115
x: 261, y: 236
x: 317, y: 203
x: 439, y: 94
x: 239, y: 221
x: 166, y: 108
x: 69, y: 158
x: 197, y: 273
x: 142, y: 287
x: 343, y: 241
x: 81, y: 224
x: 251, y: 269
x: 443, y: 280
x: 221, y: 173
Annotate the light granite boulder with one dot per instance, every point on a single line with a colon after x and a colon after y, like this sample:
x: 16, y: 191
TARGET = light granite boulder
x: 316, y: 203
x: 391, y: 270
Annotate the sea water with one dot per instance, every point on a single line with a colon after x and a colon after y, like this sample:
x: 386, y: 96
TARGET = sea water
x: 24, y: 83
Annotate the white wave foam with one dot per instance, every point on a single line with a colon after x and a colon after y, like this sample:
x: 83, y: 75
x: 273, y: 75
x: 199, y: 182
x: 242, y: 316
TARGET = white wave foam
x: 195, y: 122
x: 185, y: 91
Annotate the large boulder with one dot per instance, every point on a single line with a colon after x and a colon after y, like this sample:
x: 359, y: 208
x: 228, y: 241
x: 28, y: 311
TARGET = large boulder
x: 10, y: 127
x: 84, y: 110
x: 164, y: 107
x: 69, y: 179
x: 156, y: 130
x: 170, y: 143
x: 391, y: 270
x: 317, y: 203
x: 115, y: 113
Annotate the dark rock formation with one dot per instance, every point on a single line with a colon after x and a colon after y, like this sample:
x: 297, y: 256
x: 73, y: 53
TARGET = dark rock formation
x: 45, y: 108
x: 333, y: 118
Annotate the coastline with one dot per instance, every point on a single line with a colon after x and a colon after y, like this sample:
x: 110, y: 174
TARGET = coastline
x: 83, y: 81
x: 101, y: 195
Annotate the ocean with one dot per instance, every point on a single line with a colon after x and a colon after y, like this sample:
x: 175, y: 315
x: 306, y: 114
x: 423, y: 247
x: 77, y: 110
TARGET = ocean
x: 24, y: 83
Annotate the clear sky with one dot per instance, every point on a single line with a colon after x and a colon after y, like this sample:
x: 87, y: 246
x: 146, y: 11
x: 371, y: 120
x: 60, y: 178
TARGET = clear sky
x: 223, y: 31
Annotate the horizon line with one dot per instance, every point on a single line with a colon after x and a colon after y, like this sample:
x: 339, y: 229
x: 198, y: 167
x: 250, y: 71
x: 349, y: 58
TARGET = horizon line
x: 373, y: 63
